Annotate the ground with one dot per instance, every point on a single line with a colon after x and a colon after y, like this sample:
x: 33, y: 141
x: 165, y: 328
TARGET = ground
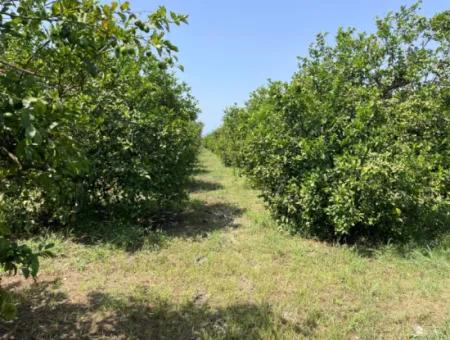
x: 223, y: 269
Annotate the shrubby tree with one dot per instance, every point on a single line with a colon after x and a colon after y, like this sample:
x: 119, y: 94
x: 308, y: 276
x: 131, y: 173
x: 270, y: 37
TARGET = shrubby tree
x: 90, y: 111
x: 358, y: 143
x: 92, y: 117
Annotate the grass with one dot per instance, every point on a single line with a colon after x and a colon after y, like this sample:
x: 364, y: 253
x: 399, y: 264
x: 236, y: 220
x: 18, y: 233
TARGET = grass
x: 223, y: 269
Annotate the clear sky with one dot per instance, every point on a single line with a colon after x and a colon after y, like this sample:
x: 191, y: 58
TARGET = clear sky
x: 231, y: 47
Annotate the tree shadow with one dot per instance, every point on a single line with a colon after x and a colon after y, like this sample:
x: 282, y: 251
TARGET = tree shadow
x: 200, y: 218
x: 199, y: 169
x: 197, y: 219
x: 198, y: 185
x: 47, y: 313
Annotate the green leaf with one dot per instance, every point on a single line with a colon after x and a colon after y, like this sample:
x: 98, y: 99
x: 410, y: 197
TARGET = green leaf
x: 91, y: 68
x: 106, y: 10
x: 8, y: 311
x: 125, y: 6
x: 36, y: 105
x: 26, y: 272
x: 140, y: 25
x: 30, y: 131
x: 34, y: 265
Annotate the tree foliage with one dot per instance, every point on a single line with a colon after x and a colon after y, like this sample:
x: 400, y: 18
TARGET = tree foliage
x: 90, y: 111
x: 357, y: 144
x: 92, y: 116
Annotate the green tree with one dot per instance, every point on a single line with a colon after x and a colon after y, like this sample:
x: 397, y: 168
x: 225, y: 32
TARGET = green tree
x: 357, y: 144
x: 92, y: 117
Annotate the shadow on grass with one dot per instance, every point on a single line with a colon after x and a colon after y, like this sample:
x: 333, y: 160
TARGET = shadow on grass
x: 200, y: 218
x: 200, y: 169
x: 197, y: 185
x: 197, y: 219
x: 47, y: 313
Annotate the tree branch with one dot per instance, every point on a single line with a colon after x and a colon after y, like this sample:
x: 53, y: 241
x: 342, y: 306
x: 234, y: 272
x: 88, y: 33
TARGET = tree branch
x: 13, y: 157
x: 18, y: 68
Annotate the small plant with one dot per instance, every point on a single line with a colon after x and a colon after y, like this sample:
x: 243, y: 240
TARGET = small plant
x: 14, y: 258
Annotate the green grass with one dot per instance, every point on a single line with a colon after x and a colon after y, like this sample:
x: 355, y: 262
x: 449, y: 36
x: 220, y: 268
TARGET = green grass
x: 223, y: 269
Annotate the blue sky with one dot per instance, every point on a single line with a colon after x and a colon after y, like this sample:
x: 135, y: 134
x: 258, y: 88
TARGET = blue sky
x: 231, y: 47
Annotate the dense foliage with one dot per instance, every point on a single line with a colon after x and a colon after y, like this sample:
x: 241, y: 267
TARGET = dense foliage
x: 92, y: 117
x: 357, y: 144
x: 89, y: 111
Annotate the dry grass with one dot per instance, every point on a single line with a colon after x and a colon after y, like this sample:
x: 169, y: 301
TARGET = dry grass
x: 224, y: 270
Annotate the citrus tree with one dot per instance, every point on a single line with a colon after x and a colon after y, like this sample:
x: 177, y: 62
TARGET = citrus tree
x: 357, y: 145
x: 92, y: 116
